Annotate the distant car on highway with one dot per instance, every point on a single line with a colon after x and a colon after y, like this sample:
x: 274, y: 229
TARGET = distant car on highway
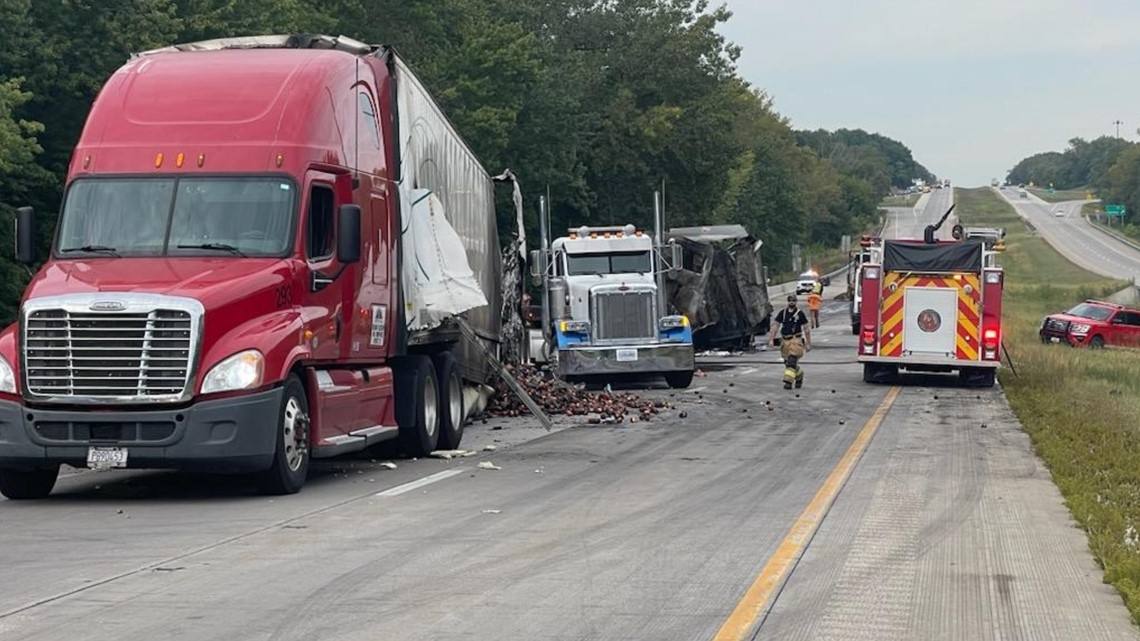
x: 1023, y: 194
x: 807, y: 282
x: 1059, y: 212
x: 1093, y: 324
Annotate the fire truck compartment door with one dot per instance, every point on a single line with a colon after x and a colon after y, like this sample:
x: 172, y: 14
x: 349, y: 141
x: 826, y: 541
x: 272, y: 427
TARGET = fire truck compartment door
x: 930, y: 322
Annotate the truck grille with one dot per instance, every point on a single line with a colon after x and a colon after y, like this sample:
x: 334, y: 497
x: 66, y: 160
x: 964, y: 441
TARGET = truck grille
x: 624, y: 315
x: 1057, y: 324
x: 143, y: 355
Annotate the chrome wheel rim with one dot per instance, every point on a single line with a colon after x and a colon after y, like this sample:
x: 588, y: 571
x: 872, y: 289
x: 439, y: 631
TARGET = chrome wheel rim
x: 295, y: 434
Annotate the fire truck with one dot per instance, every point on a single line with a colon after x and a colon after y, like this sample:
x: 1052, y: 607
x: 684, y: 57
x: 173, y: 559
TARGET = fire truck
x: 933, y: 306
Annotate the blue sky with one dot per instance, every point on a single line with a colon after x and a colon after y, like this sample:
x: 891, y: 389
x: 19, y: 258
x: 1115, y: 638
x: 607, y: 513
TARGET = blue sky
x: 971, y: 86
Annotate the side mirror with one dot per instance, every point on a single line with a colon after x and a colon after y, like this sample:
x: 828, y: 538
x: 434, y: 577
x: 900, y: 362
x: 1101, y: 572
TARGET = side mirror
x: 348, y: 234
x: 537, y: 267
x: 676, y: 257
x: 25, y: 235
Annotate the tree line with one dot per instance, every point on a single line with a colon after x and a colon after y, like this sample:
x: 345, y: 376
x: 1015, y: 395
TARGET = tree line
x: 1108, y: 166
x: 596, y: 102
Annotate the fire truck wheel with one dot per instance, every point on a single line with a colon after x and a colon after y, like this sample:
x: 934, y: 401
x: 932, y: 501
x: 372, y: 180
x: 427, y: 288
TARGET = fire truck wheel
x: 417, y: 405
x: 679, y: 380
x: 878, y: 373
x: 978, y: 377
x: 855, y: 328
x: 27, y: 484
x: 450, y: 401
x: 291, y: 459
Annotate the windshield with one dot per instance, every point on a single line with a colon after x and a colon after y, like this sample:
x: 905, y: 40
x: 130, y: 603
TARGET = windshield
x: 1095, y: 312
x: 620, y: 263
x: 177, y: 217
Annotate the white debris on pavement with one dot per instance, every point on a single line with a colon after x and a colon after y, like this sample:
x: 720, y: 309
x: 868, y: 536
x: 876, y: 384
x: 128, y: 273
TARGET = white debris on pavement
x: 450, y: 454
x: 388, y: 464
x: 487, y: 465
x: 489, y: 448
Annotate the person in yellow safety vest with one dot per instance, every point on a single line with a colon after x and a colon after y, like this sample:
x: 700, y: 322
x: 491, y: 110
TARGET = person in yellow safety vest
x: 795, y: 341
x: 817, y: 288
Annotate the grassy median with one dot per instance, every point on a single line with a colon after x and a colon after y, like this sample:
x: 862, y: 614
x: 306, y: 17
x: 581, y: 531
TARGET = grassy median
x: 902, y: 200
x: 1081, y: 408
x: 1059, y: 195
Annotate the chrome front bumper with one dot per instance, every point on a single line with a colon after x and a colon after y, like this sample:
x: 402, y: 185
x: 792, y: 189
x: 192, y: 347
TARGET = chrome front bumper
x: 579, y: 361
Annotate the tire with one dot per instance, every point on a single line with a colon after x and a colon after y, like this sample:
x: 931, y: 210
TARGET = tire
x: 978, y: 377
x: 19, y: 485
x: 292, y: 453
x: 450, y: 388
x: 877, y: 373
x: 1097, y: 342
x: 679, y: 380
x: 855, y: 328
x: 417, y: 405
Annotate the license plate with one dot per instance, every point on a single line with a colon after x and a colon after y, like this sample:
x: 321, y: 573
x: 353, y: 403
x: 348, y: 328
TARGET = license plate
x: 627, y: 354
x: 1054, y: 339
x: 99, y: 458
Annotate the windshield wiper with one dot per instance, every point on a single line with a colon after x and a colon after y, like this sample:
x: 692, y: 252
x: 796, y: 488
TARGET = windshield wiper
x: 216, y: 246
x: 92, y: 249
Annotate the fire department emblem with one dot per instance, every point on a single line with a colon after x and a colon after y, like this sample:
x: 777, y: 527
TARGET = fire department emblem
x: 929, y: 321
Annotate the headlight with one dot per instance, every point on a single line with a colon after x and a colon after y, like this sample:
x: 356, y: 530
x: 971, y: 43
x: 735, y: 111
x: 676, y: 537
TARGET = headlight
x: 674, y: 322
x: 574, y: 326
x: 1080, y: 329
x: 7, y: 377
x: 240, y: 371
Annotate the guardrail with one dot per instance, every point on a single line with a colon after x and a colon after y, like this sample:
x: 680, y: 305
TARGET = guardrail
x: 1118, y: 236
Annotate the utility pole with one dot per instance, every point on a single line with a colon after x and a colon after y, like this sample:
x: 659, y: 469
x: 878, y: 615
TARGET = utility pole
x: 1118, y: 123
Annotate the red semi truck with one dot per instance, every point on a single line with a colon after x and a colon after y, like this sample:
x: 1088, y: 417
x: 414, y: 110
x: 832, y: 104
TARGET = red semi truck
x: 261, y: 246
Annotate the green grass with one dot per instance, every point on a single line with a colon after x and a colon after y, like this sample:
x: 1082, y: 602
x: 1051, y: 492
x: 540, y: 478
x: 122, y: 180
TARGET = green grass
x: 906, y: 200
x: 1081, y: 408
x: 1059, y: 196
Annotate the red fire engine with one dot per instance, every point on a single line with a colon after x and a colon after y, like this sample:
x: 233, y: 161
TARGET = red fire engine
x: 933, y: 306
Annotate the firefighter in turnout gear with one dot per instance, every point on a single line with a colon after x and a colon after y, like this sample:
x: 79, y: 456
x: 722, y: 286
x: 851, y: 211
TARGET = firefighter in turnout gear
x: 795, y: 340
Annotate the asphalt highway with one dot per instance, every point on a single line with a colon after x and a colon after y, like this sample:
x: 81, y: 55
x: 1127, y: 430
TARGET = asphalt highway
x: 839, y: 511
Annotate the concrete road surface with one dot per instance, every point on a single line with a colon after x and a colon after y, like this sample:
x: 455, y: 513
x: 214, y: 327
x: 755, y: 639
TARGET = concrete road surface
x: 934, y: 521
x: 1063, y: 227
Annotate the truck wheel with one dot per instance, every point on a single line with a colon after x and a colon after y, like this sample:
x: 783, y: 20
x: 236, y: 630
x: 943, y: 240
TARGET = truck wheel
x: 28, y: 484
x: 290, y: 466
x: 879, y: 373
x: 450, y: 401
x: 855, y: 328
x: 1097, y: 342
x: 417, y: 405
x: 977, y: 377
x: 679, y: 380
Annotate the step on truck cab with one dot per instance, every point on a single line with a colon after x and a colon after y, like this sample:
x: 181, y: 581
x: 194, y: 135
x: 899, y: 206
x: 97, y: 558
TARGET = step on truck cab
x: 933, y: 306
x: 261, y: 243
x: 604, y: 306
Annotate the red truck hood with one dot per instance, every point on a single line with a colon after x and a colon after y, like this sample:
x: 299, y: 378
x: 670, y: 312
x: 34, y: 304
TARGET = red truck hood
x: 213, y: 281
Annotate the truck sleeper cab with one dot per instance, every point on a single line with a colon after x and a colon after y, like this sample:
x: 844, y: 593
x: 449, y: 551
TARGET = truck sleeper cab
x: 225, y: 290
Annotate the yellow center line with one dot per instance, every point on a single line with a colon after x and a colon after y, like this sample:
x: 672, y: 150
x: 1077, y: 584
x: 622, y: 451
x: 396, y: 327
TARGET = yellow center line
x: 759, y: 595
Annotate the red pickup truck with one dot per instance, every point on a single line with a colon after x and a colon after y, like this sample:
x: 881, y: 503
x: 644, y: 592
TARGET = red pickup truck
x: 1093, y: 324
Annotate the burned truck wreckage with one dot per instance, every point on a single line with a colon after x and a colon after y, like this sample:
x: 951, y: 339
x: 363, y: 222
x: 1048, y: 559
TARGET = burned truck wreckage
x: 722, y: 286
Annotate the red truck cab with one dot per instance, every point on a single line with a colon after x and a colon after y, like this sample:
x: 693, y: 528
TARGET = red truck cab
x: 223, y: 289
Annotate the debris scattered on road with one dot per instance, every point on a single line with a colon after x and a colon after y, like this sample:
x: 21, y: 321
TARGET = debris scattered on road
x: 700, y: 373
x: 492, y: 511
x: 557, y: 397
x: 487, y: 465
x: 388, y: 465
x: 489, y: 448
x: 450, y: 454
x: 684, y: 415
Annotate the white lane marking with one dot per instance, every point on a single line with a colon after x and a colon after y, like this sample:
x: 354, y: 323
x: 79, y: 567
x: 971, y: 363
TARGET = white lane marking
x: 415, y: 485
x: 747, y: 371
